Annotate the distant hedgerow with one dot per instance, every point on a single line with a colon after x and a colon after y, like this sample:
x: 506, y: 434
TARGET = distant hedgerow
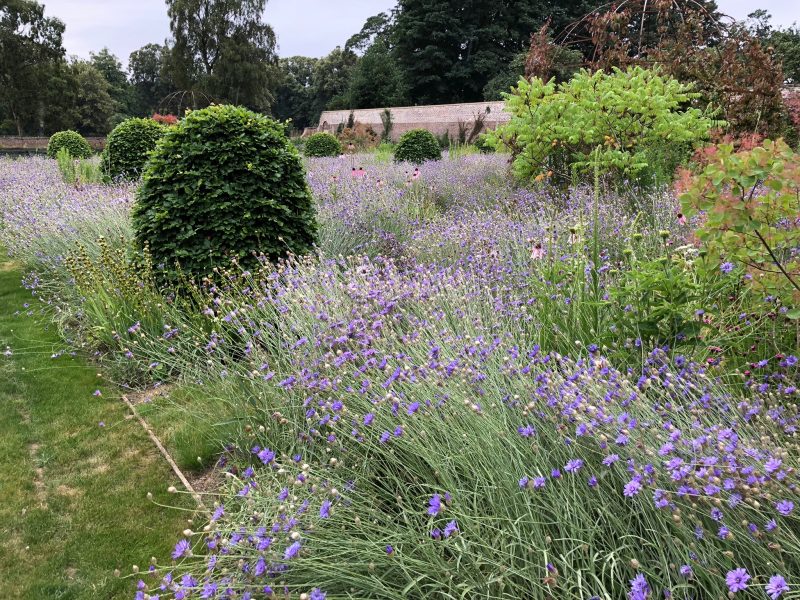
x: 74, y: 142
x: 224, y: 181
x: 417, y: 146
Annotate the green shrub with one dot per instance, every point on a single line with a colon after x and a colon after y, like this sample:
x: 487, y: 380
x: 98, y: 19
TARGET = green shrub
x: 74, y: 142
x: 128, y: 147
x: 223, y: 181
x: 323, y: 144
x: 417, y: 146
x: 482, y: 144
x: 624, y: 117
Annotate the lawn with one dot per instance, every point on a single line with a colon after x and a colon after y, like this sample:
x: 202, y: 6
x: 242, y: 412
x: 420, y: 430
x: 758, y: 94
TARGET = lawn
x: 74, y: 492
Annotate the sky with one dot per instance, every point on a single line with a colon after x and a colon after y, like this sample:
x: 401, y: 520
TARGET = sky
x: 304, y: 27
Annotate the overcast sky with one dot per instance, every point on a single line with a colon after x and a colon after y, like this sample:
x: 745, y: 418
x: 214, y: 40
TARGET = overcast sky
x: 305, y: 27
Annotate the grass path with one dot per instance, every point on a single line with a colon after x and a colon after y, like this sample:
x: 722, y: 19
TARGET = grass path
x: 73, y: 504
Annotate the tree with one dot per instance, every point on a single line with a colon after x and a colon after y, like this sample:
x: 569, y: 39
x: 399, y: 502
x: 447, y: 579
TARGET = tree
x: 295, y: 97
x: 223, y: 49
x: 111, y: 69
x: 89, y: 103
x: 376, y: 80
x: 30, y: 50
x: 148, y: 67
x: 785, y: 42
x: 332, y: 79
x: 449, y: 50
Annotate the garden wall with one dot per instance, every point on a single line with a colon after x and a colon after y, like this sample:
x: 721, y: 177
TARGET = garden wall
x: 437, y: 119
x: 9, y: 143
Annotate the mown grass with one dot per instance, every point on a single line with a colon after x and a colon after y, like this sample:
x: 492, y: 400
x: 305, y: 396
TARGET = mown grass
x: 74, y: 494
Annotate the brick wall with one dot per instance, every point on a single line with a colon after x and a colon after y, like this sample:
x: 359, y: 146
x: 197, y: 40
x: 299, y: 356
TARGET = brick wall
x: 435, y: 118
x: 8, y: 142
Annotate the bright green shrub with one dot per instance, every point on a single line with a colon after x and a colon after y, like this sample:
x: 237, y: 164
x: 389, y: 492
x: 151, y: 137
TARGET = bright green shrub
x: 224, y: 181
x: 627, y: 115
x: 323, y: 144
x: 128, y: 146
x: 417, y: 146
x: 74, y: 142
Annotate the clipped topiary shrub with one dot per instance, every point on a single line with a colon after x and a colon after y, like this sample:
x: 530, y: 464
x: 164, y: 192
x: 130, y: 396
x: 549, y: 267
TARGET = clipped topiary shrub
x: 417, y: 146
x: 323, y: 144
x: 74, y: 142
x: 223, y: 181
x: 128, y: 147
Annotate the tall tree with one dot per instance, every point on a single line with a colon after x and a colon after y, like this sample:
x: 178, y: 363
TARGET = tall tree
x: 332, y: 79
x: 449, y: 50
x: 784, y: 42
x: 376, y: 80
x: 148, y: 67
x: 223, y: 48
x: 30, y: 50
x: 88, y: 100
x: 110, y: 68
x: 295, y: 97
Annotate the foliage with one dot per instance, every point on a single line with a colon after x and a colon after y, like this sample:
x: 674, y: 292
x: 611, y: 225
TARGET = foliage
x: 224, y: 181
x: 78, y: 172
x: 74, y: 142
x: 455, y: 63
x: 362, y: 136
x: 322, y: 144
x: 89, y: 103
x: 728, y: 66
x: 784, y: 42
x: 295, y: 97
x: 748, y: 204
x: 331, y: 79
x: 387, y: 120
x: 417, y: 146
x: 377, y: 80
x: 119, y: 88
x: 30, y: 50
x: 223, y: 48
x: 621, y: 117
x: 128, y: 147
x: 164, y: 119
x: 150, y: 77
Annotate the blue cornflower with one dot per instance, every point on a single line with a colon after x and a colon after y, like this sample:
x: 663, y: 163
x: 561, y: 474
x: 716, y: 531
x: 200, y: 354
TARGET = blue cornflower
x: 726, y: 267
x: 435, y: 505
x: 776, y: 586
x: 292, y: 551
x: 182, y: 548
x: 450, y: 528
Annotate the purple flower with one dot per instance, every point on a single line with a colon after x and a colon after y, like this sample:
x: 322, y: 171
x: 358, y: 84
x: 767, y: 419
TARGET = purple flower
x: 389, y: 550
x: 632, y: 488
x: 182, y: 548
x: 785, y: 507
x: 413, y: 407
x: 292, y: 551
x: 526, y: 431
x: 726, y: 267
x: 573, y: 466
x: 737, y: 579
x: 539, y: 482
x: 776, y: 586
x: 450, y: 528
x: 610, y: 460
x: 97, y: 393
x: 435, y: 505
x: 325, y: 509
x: 317, y: 594
x: 772, y: 465
x: 639, y: 588
x: 686, y: 570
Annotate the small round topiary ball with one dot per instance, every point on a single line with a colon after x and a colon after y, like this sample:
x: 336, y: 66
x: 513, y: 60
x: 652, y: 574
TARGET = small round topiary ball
x: 74, y: 142
x: 417, y: 146
x: 323, y: 144
x: 128, y: 146
x: 223, y: 181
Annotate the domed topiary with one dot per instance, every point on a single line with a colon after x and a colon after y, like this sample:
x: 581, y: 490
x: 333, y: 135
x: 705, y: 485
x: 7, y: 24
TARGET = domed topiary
x: 323, y: 144
x: 223, y: 181
x: 74, y: 142
x: 128, y: 147
x: 417, y: 146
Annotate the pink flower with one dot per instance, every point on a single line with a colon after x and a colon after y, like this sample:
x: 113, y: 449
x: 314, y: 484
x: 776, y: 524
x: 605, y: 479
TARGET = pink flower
x: 537, y: 252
